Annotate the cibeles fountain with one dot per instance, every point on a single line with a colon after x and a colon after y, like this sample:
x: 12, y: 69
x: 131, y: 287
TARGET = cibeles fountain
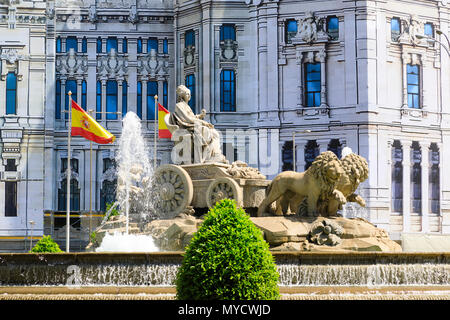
x: 296, y: 211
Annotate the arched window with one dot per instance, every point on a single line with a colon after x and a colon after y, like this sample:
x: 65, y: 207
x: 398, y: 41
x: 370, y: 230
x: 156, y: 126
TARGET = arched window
x: 416, y: 178
x: 152, y: 90
x: 58, y: 100
x: 124, y: 98
x: 227, y: 90
x: 152, y: 43
x: 71, y: 43
x: 434, y: 180
x: 190, y: 84
x: 111, y: 99
x: 58, y: 45
x: 11, y: 93
x: 397, y: 177
x: 74, y: 188
x: 71, y: 85
x: 311, y: 152
x: 336, y: 147
x: 108, y: 191
x: 98, y: 104
x: 139, y: 100
x: 287, y: 156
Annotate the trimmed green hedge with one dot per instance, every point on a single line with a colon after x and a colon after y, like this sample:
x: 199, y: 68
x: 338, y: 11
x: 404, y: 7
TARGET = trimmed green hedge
x: 46, y: 244
x: 227, y: 259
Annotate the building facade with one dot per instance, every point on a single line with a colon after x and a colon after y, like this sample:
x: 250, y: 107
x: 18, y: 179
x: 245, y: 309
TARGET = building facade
x: 360, y: 74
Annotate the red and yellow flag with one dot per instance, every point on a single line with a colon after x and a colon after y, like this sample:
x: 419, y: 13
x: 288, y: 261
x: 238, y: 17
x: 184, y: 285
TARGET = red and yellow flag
x: 84, y: 125
x: 163, y: 131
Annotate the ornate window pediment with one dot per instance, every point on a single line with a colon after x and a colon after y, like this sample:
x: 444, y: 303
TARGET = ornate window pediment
x: 112, y: 66
x: 71, y: 64
x: 153, y: 65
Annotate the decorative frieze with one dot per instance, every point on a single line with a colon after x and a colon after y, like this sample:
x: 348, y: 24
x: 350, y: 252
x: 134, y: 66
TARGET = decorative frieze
x: 112, y: 66
x: 71, y: 64
x: 152, y: 65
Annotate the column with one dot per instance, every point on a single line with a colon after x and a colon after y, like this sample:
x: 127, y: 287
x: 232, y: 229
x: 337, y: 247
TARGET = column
x: 63, y: 98
x: 299, y: 62
x: 322, y: 56
x: 406, y: 146
x: 323, y: 145
x: 79, y: 91
x: 300, y: 156
x: 119, y: 98
x: 425, y: 149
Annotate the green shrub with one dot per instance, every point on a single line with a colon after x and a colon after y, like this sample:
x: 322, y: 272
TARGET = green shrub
x: 227, y: 259
x: 46, y: 244
x: 114, y: 212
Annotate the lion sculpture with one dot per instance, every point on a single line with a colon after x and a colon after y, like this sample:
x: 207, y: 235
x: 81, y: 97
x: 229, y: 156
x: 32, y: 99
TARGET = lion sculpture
x: 318, y: 182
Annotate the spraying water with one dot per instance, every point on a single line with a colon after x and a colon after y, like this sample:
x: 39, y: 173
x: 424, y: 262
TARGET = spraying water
x: 120, y: 242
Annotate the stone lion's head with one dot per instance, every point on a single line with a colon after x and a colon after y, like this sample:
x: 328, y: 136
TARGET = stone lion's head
x: 327, y: 169
x: 356, y: 167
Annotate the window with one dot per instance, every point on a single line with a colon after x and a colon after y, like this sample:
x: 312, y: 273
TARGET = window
x: 73, y: 165
x: 99, y: 45
x: 333, y: 27
x: 152, y: 43
x: 11, y: 165
x: 416, y: 179
x: 111, y: 99
x: 84, y: 45
x: 152, y: 90
x: 429, y: 30
x: 413, y: 86
x: 139, y: 100
x: 108, y: 191
x: 71, y: 43
x: 190, y: 84
x: 311, y: 152
x: 58, y: 45
x: 98, y: 104
x: 227, y: 90
x: 434, y: 188
x: 139, y: 45
x: 165, y: 46
x: 335, y: 146
x: 10, y: 199
x: 290, y: 30
x: 111, y: 43
x: 397, y: 178
x: 313, y: 84
x: 395, y: 29
x: 227, y: 32
x: 74, y: 196
x: 124, y: 98
x: 189, y: 38
x: 58, y: 100
x: 84, y: 94
x: 124, y: 45
x: 287, y: 156
x: 165, y: 95
x: 71, y: 85
x: 11, y: 93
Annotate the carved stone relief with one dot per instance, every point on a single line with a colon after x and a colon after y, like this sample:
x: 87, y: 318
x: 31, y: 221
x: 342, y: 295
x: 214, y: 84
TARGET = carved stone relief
x: 112, y: 65
x: 71, y: 64
x: 152, y: 65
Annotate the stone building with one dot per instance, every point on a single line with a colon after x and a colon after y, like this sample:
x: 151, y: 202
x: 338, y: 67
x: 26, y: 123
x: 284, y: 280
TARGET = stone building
x: 359, y: 74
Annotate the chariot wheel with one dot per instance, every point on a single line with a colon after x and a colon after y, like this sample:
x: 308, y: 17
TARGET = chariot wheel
x: 224, y: 188
x: 174, y: 190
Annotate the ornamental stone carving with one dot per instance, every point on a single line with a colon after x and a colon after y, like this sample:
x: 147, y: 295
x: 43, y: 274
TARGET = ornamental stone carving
x: 11, y: 55
x: 133, y: 17
x: 189, y: 56
x: 92, y: 16
x: 112, y: 65
x: 70, y: 64
x: 308, y: 27
x: 326, y: 232
x: 152, y: 65
x: 228, y: 50
x: 410, y: 29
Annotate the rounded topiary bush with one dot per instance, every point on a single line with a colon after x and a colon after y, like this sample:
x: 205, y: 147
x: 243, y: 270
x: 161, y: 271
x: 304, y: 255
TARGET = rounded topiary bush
x: 227, y: 259
x: 46, y: 244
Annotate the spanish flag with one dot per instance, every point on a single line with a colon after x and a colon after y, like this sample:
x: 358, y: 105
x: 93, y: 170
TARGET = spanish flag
x: 84, y: 125
x: 163, y: 131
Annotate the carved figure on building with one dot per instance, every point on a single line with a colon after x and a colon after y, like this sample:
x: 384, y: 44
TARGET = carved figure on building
x: 308, y: 27
x: 205, y: 140
x: 92, y: 16
x: 411, y: 29
x: 133, y: 17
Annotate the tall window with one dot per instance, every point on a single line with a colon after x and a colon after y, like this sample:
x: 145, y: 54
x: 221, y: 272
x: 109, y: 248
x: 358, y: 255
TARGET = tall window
x: 108, y: 191
x: 165, y: 46
x: 335, y: 146
x: 11, y: 93
x: 111, y: 99
x: 139, y: 100
x: 165, y: 95
x: 10, y: 198
x: 74, y: 189
x: 124, y: 98
x: 152, y: 43
x: 311, y: 152
x: 395, y: 29
x: 190, y: 84
x: 58, y: 45
x: 227, y: 90
x: 416, y: 179
x: 287, y: 156
x: 429, y: 30
x: 434, y: 180
x: 71, y: 85
x: 312, y: 87
x: 111, y: 43
x: 139, y: 45
x: 71, y: 43
x: 99, y: 45
x: 84, y: 94
x: 413, y: 82
x: 84, y: 45
x: 125, y: 45
x: 152, y: 90
x: 227, y: 32
x: 58, y: 100
x: 397, y: 177
x: 98, y: 104
x: 290, y: 30
x: 333, y: 27
x: 189, y: 38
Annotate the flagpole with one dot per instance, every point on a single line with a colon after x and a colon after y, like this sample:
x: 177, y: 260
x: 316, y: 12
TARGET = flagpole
x: 68, y: 176
x: 90, y: 182
x: 156, y: 132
